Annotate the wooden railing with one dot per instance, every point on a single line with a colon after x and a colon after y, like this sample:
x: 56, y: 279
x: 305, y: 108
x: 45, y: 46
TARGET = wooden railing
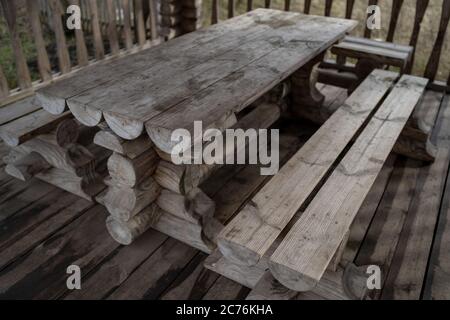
x: 434, y: 58
x: 110, y: 28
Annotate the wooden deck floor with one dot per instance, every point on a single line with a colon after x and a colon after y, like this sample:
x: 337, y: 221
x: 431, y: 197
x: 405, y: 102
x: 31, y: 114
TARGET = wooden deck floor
x: 44, y: 230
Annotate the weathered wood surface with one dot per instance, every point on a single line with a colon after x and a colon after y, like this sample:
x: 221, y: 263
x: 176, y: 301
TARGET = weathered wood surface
x: 53, y: 98
x: 415, y: 140
x: 9, y: 9
x: 246, y: 239
x: 391, y: 55
x: 70, y: 182
x: 130, y: 172
x: 27, y: 167
x: 247, y: 44
x: 210, y: 105
x: 320, y: 230
x: 18, y: 109
x: 36, y: 212
x: 29, y: 126
x: 42, y: 56
x: 438, y: 270
x: 416, y: 240
x: 131, y: 149
x: 347, y: 285
x: 125, y: 232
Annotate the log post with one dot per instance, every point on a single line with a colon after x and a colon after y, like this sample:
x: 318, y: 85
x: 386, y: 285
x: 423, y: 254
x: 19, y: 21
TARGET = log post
x: 304, y: 92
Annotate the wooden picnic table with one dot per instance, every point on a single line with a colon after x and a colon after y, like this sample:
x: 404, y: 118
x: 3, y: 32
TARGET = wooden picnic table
x: 209, y: 75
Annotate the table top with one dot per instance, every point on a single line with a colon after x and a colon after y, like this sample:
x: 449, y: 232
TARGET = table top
x: 206, y: 75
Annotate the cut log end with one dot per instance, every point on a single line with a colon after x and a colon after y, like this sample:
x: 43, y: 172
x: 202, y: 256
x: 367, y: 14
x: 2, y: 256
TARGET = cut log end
x: 10, y: 139
x: 292, y: 279
x: 51, y: 104
x: 86, y: 115
x: 162, y: 138
x: 124, y: 128
x: 238, y: 254
x: 119, y: 231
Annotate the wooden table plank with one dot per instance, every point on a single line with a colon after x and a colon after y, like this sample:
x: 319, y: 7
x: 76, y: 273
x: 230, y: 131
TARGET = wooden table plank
x: 53, y: 98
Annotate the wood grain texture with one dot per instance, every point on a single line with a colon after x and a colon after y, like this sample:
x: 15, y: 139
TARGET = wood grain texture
x: 18, y: 109
x: 53, y: 97
x: 417, y: 235
x: 117, y: 268
x: 28, y: 126
x: 421, y: 7
x: 4, y: 88
x: 127, y: 24
x: 246, y: 239
x: 96, y: 31
x: 131, y: 149
x: 10, y: 14
x: 139, y: 22
x: 192, y: 76
x: 130, y: 172
x: 124, y: 203
x: 61, y: 45
x: 42, y: 56
x: 112, y: 27
x: 433, y: 62
x: 320, y: 230
x: 82, y: 53
x: 211, y: 107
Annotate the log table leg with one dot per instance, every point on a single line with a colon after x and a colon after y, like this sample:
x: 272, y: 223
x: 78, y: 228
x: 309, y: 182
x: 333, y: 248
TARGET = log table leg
x: 304, y: 91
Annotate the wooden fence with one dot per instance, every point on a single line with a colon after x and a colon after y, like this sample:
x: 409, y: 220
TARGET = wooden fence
x: 109, y: 28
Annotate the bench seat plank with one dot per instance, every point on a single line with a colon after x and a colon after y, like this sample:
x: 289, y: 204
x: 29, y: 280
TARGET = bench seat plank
x: 384, y: 55
x: 305, y: 253
x: 247, y: 238
x: 380, y: 44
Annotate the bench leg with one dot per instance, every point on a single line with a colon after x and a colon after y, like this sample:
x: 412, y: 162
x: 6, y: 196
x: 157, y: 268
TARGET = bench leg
x: 304, y: 91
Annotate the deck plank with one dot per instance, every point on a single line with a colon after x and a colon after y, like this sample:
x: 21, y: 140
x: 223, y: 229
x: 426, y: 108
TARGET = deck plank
x: 83, y: 242
x: 404, y: 282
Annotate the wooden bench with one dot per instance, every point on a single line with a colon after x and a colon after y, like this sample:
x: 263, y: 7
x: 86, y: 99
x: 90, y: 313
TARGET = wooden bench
x: 370, y: 55
x: 373, y: 117
x: 379, y: 52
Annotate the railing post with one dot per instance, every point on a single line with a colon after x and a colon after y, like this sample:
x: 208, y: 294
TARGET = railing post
x: 191, y: 15
x: 180, y: 17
